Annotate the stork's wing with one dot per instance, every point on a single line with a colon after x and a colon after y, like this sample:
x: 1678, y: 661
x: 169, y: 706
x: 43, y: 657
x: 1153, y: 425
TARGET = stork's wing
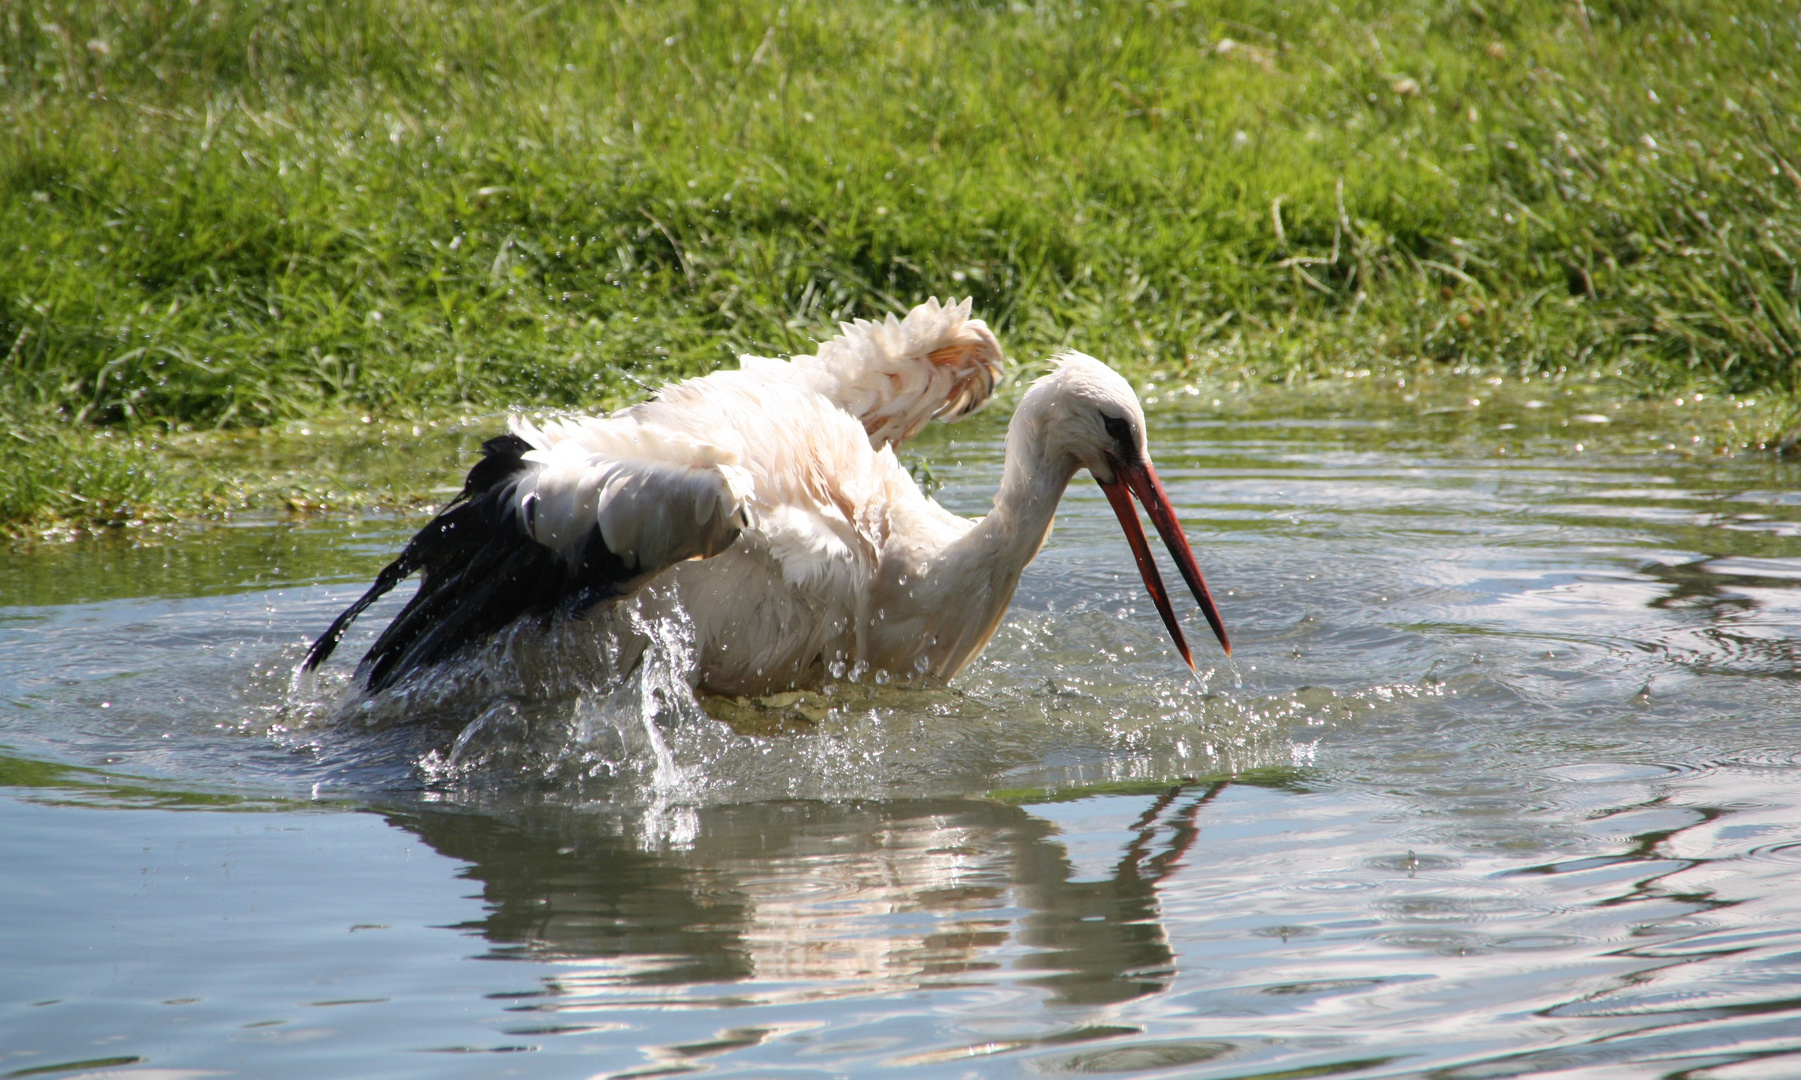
x: 893, y: 376
x: 549, y: 523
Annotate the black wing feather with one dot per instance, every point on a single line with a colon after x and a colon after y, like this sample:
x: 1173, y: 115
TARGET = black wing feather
x: 481, y: 571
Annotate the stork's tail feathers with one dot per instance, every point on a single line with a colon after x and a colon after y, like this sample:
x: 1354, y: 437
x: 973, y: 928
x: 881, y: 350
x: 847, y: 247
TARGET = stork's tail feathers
x: 896, y: 375
x: 463, y: 544
x: 528, y: 537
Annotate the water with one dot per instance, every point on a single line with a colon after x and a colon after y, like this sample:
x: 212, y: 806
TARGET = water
x: 1503, y: 782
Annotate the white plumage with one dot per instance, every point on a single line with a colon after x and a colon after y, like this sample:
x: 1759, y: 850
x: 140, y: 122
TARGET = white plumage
x: 771, y: 497
x: 896, y: 375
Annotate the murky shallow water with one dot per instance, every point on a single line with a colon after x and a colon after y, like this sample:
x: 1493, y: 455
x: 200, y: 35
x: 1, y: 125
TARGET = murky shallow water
x: 1504, y: 782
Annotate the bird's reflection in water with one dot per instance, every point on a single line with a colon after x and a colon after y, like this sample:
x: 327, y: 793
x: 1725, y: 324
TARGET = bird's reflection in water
x: 1703, y: 586
x: 802, y: 899
x: 1104, y: 940
x: 1739, y: 611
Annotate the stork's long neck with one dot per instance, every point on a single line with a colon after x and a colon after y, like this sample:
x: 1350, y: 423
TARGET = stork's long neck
x: 984, y: 565
x: 1033, y: 480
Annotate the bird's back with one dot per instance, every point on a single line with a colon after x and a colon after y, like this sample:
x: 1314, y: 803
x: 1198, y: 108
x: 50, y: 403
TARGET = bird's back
x: 896, y: 375
x: 791, y: 595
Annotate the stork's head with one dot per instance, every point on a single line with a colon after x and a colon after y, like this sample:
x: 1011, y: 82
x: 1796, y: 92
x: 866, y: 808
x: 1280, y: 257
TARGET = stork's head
x: 1090, y: 418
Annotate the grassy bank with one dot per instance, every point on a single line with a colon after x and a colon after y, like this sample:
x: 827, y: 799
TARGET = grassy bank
x: 59, y: 481
x: 230, y: 212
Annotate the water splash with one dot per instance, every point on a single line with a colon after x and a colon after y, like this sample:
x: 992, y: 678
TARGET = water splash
x: 604, y: 710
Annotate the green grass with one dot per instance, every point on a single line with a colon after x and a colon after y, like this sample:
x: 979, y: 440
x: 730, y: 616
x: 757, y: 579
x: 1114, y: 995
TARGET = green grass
x: 65, y: 480
x: 80, y: 479
x: 235, y: 212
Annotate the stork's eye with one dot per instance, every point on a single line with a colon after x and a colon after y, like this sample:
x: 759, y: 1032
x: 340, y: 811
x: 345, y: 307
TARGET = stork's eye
x: 1121, y: 433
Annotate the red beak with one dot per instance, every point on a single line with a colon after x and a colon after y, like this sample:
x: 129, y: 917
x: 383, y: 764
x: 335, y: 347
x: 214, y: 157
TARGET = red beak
x: 1142, y: 480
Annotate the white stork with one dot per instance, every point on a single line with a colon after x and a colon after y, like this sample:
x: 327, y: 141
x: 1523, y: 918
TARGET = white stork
x: 771, y: 497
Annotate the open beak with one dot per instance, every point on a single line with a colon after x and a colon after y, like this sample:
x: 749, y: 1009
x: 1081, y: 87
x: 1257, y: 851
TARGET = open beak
x: 1142, y: 480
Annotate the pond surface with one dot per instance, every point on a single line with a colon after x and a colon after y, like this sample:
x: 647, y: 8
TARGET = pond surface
x: 1503, y: 781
